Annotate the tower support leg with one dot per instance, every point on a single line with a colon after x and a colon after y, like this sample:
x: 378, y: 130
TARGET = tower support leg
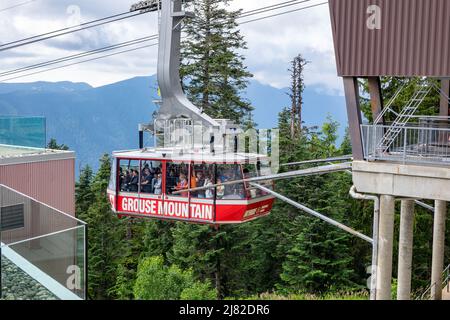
x: 385, y: 247
x: 437, y: 266
x: 405, y: 252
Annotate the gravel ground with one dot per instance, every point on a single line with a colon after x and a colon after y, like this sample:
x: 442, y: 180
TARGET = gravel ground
x: 17, y: 285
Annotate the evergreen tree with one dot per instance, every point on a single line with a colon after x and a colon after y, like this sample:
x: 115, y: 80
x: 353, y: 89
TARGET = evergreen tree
x: 213, y: 70
x: 103, y: 236
x: 215, y: 78
x: 84, y: 197
x: 131, y: 233
x: 296, y: 94
x: 391, y: 85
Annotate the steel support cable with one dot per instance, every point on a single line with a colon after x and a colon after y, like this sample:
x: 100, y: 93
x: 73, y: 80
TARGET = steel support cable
x: 86, y: 25
x: 68, y: 30
x: 13, y: 78
x: 79, y: 55
x: 83, y: 61
x: 314, y: 213
x: 17, y: 5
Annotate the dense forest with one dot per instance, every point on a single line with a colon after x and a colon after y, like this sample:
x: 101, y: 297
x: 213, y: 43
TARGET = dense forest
x: 286, y: 254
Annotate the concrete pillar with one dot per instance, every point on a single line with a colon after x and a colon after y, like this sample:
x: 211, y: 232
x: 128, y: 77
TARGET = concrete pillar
x: 437, y: 266
x: 405, y: 251
x: 385, y: 246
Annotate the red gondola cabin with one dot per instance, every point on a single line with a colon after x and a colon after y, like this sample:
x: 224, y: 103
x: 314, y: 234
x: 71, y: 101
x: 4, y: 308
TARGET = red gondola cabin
x: 143, y: 183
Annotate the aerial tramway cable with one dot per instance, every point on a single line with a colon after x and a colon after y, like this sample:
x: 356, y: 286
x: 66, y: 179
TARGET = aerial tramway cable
x: 105, y: 49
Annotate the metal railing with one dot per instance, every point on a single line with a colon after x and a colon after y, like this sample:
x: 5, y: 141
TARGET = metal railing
x: 413, y: 144
x: 445, y: 284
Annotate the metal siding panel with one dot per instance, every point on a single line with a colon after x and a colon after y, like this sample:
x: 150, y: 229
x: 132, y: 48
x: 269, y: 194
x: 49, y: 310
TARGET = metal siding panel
x: 413, y: 40
x: 51, y: 182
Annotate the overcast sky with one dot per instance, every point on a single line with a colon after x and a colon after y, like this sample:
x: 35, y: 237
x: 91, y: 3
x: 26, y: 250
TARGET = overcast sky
x: 272, y: 43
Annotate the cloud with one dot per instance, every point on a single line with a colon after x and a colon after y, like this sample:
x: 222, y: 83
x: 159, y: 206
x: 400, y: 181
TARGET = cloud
x: 272, y: 43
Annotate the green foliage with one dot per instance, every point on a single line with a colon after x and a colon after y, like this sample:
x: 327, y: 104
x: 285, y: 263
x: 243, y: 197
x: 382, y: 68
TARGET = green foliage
x: 198, y: 291
x: 390, y: 86
x: 156, y: 281
x: 289, y: 251
x: 103, y: 236
x: 53, y: 145
x: 343, y: 295
x: 317, y: 255
x: 84, y: 197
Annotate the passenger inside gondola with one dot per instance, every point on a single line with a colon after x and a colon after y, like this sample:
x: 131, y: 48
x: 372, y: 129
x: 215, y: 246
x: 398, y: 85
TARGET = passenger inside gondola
x: 209, y: 193
x: 134, y: 181
x: 171, y: 181
x: 182, y: 185
x: 227, y: 173
x: 146, y: 181
x: 200, y: 182
x: 158, y: 185
x: 125, y: 180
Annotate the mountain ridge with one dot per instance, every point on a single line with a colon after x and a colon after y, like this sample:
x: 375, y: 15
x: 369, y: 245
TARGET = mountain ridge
x: 97, y: 120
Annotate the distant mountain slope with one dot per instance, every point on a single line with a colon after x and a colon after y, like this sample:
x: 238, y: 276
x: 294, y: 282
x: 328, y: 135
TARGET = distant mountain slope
x: 94, y: 121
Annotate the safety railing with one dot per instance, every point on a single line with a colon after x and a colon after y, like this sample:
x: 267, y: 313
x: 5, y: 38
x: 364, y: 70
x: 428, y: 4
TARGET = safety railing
x: 413, y: 144
x: 426, y: 294
x: 42, y: 251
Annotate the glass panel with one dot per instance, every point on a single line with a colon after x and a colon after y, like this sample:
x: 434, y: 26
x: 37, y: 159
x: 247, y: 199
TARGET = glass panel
x: 46, y: 268
x: 226, y: 173
x: 23, y: 131
x: 112, y: 179
x: 177, y: 178
x: 42, y: 251
x: 250, y: 171
x: 202, y: 176
x: 129, y: 175
x: 151, y: 177
x: 36, y: 219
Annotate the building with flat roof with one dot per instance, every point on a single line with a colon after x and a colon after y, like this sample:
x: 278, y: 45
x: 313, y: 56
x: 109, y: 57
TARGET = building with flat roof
x: 42, y: 244
x: 46, y: 175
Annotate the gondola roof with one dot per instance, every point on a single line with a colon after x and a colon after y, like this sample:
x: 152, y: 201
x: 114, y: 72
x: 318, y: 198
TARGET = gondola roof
x: 179, y: 155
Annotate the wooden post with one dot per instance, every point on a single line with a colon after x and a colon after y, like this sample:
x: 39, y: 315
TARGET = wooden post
x: 354, y: 116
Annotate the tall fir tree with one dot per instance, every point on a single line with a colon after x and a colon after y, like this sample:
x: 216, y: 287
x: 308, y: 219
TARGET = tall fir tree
x: 84, y: 197
x: 213, y: 69
x: 103, y: 235
x: 296, y: 94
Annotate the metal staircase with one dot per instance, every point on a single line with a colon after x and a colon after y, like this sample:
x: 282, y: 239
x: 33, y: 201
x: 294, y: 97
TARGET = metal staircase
x: 402, y: 118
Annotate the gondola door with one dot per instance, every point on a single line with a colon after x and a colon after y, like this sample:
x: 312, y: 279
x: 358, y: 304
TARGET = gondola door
x: 176, y: 206
x: 202, y: 202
